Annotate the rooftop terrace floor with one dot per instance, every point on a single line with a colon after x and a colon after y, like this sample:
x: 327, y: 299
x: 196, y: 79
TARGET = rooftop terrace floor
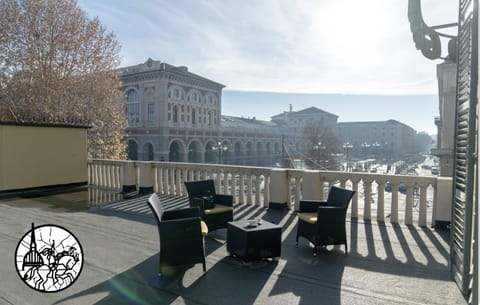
x: 386, y: 264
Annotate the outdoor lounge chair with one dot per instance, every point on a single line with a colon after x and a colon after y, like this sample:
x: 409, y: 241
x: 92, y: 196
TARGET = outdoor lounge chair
x: 323, y: 222
x: 181, y: 235
x: 215, y: 209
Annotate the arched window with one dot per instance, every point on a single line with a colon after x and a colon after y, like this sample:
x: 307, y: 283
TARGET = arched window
x: 193, y: 97
x: 132, y: 96
x: 132, y: 150
x: 148, y: 152
x: 210, y: 100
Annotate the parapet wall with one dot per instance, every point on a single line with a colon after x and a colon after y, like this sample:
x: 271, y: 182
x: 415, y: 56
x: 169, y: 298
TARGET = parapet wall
x: 41, y: 155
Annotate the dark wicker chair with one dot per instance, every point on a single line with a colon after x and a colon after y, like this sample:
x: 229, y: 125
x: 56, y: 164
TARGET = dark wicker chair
x: 215, y: 209
x: 323, y: 222
x: 181, y: 236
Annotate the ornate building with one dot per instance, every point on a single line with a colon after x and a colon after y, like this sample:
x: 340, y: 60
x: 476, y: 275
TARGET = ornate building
x: 173, y: 114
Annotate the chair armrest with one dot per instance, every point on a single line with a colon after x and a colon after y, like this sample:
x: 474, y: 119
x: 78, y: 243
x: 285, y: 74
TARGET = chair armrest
x: 181, y: 213
x: 223, y: 199
x: 310, y: 206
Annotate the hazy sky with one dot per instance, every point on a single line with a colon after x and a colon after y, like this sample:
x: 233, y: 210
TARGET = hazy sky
x: 303, y: 46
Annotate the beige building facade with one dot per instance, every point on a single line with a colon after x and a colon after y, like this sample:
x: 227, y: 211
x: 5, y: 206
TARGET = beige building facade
x: 386, y: 139
x: 447, y: 85
x: 37, y: 155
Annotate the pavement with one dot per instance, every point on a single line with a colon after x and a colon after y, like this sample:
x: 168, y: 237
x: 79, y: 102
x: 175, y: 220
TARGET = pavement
x: 386, y: 264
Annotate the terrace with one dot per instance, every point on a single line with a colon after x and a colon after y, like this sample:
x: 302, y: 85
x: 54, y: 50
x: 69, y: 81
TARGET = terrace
x: 395, y: 256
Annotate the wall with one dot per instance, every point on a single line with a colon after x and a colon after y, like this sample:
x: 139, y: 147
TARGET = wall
x: 41, y: 155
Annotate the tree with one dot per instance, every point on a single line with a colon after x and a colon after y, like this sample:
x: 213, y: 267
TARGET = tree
x: 57, y: 65
x: 322, y: 143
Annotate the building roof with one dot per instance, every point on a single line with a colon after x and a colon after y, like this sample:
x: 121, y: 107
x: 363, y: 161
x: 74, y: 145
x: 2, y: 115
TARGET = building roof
x: 156, y: 65
x: 307, y: 111
x: 233, y: 121
x: 390, y: 121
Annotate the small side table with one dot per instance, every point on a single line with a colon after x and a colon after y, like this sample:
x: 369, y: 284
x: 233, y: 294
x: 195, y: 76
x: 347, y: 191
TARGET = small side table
x: 254, y: 243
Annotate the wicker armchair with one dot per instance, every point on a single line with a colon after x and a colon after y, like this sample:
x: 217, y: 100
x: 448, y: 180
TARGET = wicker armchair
x: 181, y: 235
x: 215, y: 209
x: 323, y: 222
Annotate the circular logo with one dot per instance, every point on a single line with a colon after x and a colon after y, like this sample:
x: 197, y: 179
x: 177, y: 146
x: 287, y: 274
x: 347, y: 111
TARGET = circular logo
x: 48, y: 258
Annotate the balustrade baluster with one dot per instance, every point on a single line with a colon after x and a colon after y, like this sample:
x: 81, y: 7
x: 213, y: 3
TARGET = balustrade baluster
x: 109, y: 176
x: 422, y: 220
x: 394, y: 205
x: 242, y: 188
x: 171, y: 181
x: 297, y: 193
x: 409, y: 205
x: 219, y: 181
x: 381, y: 201
x: 354, y: 213
x: 226, y: 189
x: 249, y: 190
x: 178, y: 181
x: 165, y: 179
x: 234, y: 187
x: 367, y: 189
x: 257, y: 189
x: 266, y: 190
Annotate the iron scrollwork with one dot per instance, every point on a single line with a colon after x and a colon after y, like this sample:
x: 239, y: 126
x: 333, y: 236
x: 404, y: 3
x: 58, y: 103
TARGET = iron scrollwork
x: 426, y: 39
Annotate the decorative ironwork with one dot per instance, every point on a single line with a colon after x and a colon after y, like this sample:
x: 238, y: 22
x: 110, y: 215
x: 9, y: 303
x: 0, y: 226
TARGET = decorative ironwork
x: 426, y: 38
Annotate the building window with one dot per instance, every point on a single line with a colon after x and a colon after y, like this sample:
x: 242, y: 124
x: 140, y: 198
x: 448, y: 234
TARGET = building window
x: 210, y: 100
x: 193, y: 97
x: 210, y: 121
x: 194, y: 118
x: 175, y: 93
x: 132, y: 96
x: 175, y: 114
x: 133, y: 106
x: 133, y: 113
x: 150, y: 112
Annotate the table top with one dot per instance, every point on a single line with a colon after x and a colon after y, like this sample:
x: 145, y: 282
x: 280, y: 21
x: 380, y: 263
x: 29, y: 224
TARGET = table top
x: 244, y: 225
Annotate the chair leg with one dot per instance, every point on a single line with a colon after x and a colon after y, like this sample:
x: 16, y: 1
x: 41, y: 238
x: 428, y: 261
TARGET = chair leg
x: 314, y: 250
x: 346, y: 248
x: 204, y: 266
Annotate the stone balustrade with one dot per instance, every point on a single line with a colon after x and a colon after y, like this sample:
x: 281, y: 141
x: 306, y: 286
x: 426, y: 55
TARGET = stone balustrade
x: 402, y: 199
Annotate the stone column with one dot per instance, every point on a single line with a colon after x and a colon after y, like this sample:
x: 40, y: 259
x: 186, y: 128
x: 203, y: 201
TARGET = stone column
x: 129, y: 179
x: 312, y: 186
x: 146, y: 178
x: 279, y: 189
x: 442, y: 209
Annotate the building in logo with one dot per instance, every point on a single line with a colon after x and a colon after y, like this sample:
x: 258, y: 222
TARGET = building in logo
x: 48, y: 258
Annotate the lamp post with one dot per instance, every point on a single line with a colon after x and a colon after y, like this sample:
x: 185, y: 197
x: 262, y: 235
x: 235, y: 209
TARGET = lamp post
x: 347, y: 146
x: 219, y: 148
x: 376, y: 146
x: 318, y: 148
x: 365, y: 146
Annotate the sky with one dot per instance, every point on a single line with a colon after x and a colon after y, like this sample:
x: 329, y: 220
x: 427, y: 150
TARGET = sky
x: 306, y: 48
